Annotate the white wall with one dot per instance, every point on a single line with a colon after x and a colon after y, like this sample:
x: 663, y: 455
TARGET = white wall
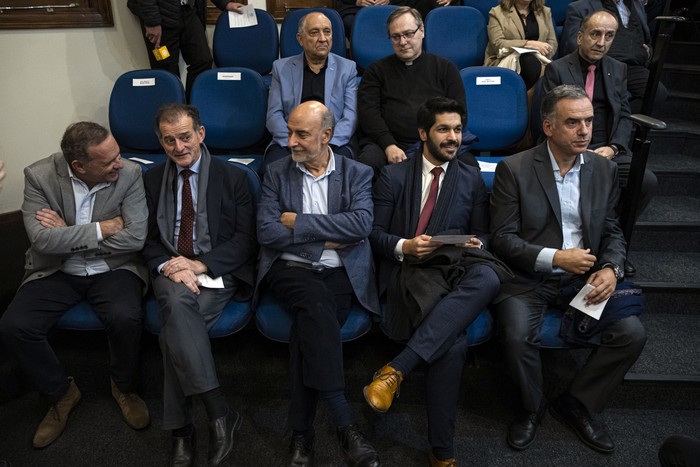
x: 51, y: 78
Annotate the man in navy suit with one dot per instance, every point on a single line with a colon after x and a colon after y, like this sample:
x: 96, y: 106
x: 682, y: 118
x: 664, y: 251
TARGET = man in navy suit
x: 553, y: 221
x: 414, y: 200
x: 201, y: 252
x: 315, y: 74
x: 612, y: 126
x: 314, y: 217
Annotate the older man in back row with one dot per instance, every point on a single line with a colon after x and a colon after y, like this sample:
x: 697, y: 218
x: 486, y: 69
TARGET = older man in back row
x: 314, y: 75
x: 553, y: 221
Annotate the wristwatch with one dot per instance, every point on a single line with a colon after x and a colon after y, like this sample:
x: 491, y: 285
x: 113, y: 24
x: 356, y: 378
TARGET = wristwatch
x: 615, y: 148
x: 619, y: 272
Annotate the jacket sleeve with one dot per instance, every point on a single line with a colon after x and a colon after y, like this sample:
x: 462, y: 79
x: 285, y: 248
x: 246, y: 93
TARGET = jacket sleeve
x: 347, y: 123
x: 276, y: 121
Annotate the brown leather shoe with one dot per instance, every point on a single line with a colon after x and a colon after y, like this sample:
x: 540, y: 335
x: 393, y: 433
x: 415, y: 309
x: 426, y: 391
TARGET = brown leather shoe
x: 379, y: 394
x: 134, y: 409
x: 55, y: 420
x: 446, y: 463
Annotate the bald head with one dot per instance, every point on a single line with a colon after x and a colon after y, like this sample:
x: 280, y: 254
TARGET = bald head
x: 596, y: 35
x: 310, y: 129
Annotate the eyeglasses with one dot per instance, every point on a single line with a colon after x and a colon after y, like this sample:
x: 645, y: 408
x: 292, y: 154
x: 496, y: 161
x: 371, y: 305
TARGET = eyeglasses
x: 396, y: 38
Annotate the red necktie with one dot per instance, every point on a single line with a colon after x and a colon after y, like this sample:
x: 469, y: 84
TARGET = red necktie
x: 184, y: 240
x: 430, y: 202
x: 590, y: 81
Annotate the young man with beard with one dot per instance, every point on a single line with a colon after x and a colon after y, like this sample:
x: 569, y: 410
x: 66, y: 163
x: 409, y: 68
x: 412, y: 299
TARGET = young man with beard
x: 415, y: 200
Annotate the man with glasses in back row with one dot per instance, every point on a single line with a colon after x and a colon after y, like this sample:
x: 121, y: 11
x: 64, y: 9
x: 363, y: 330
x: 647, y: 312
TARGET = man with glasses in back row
x: 393, y: 88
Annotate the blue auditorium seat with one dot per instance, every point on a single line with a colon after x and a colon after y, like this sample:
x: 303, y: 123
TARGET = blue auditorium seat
x: 254, y: 47
x: 484, y: 7
x: 135, y: 99
x: 80, y: 318
x: 369, y: 40
x: 275, y: 322
x: 232, y: 104
x: 290, y: 26
x: 458, y: 34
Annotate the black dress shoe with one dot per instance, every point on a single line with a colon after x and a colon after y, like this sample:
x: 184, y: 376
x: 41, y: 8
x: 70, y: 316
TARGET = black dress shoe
x: 184, y: 451
x: 630, y: 270
x: 301, y: 452
x: 221, y: 436
x: 522, y: 430
x: 574, y: 415
x: 358, y: 451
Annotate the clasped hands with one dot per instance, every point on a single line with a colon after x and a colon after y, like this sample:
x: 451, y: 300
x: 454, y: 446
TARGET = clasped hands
x: 580, y: 261
x: 184, y: 271
x: 422, y: 245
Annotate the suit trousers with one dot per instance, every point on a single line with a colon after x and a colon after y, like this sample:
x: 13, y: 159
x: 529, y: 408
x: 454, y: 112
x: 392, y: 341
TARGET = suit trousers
x: 520, y: 321
x: 439, y: 340
x: 116, y: 298
x: 190, y: 39
x: 319, y: 302
x: 188, y: 363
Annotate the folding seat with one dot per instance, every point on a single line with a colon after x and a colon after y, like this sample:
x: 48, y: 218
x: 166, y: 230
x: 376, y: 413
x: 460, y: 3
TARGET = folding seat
x: 484, y: 6
x: 457, y: 33
x: 232, y: 104
x: 254, y: 47
x: 369, y: 40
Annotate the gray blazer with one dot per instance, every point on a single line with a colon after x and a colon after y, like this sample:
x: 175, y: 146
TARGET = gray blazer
x: 526, y: 215
x: 48, y: 185
x: 349, y: 221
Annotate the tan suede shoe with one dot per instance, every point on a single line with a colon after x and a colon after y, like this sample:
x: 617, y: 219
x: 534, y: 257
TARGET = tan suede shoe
x: 55, y: 420
x: 379, y: 394
x: 134, y: 409
x: 438, y: 463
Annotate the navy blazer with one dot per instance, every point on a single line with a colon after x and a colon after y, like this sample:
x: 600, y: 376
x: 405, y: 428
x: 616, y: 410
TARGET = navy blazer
x: 526, y: 214
x: 349, y: 220
x: 394, y: 195
x: 340, y: 95
x: 231, y: 218
x: 567, y: 70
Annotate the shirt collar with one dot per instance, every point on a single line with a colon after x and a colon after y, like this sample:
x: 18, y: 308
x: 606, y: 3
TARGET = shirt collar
x: 428, y: 166
x: 329, y: 168
x: 555, y: 166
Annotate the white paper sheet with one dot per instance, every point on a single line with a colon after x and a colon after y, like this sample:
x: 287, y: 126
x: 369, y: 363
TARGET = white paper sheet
x: 580, y: 303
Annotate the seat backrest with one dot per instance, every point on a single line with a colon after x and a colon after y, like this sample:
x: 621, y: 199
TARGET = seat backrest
x: 253, y: 47
x: 253, y: 179
x: 484, y: 6
x: 496, y: 106
x: 135, y: 99
x: 290, y: 25
x: 369, y: 41
x: 232, y: 103
x: 457, y: 33
x: 558, y: 8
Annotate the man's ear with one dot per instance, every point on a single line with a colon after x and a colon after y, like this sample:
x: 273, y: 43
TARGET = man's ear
x: 423, y: 135
x: 547, y: 127
x: 77, y: 167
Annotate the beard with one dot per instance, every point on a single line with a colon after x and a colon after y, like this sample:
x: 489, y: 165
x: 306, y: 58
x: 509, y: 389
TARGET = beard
x: 436, y: 152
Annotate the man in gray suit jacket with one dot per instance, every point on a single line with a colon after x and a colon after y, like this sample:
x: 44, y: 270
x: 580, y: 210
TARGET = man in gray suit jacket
x: 315, y: 74
x: 85, y: 214
x: 612, y: 126
x: 314, y: 217
x: 553, y: 221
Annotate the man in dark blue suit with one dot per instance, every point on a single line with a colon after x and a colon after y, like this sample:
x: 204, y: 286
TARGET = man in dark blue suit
x: 414, y: 200
x: 314, y: 217
x: 201, y: 252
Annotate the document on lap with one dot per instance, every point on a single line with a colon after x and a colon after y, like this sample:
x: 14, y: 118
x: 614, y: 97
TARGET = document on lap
x: 579, y: 302
x: 209, y: 282
x: 451, y: 239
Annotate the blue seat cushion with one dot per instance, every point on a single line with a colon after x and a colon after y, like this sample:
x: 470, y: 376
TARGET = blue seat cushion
x: 80, y: 318
x: 275, y: 322
x: 233, y: 318
x: 549, y: 333
x: 481, y: 329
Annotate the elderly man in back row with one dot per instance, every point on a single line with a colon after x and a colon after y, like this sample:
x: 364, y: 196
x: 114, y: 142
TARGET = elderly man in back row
x: 393, y: 88
x: 553, y: 220
x: 314, y: 75
x: 84, y: 211
x: 314, y: 217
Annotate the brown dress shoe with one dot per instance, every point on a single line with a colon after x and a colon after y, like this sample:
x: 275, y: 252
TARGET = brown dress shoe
x: 379, y: 394
x: 434, y: 462
x: 55, y: 420
x: 134, y: 410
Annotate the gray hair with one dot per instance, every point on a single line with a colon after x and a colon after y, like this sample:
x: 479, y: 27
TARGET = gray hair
x: 302, y: 21
x: 400, y: 11
x: 78, y: 137
x: 561, y: 92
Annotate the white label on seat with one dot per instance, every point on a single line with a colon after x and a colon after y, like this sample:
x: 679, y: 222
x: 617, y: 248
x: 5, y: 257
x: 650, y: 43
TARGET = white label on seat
x: 223, y: 76
x: 143, y: 82
x: 488, y: 80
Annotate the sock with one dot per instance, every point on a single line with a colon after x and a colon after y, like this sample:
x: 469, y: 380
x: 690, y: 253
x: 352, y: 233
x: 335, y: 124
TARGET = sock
x: 183, y: 432
x: 214, y: 403
x: 341, y: 413
x: 406, y: 361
